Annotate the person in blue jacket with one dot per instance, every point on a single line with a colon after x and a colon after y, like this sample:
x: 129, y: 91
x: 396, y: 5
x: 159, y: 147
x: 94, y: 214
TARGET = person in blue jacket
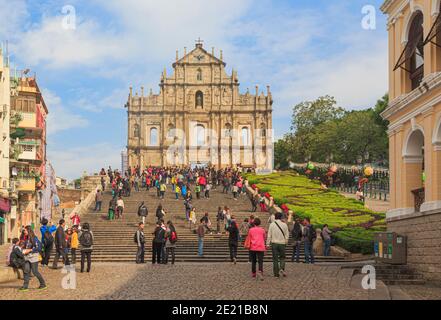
x: 47, y: 240
x: 31, y: 251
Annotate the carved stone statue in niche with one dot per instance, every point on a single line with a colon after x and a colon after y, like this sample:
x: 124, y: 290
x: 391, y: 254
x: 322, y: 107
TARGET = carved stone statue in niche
x: 207, y: 95
x: 216, y: 96
x: 199, y: 99
x: 180, y: 97
x: 226, y: 96
x: 179, y: 73
x: 190, y: 97
x: 216, y: 73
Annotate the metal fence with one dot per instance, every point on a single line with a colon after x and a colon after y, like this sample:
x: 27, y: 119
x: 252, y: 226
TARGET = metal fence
x: 346, y: 180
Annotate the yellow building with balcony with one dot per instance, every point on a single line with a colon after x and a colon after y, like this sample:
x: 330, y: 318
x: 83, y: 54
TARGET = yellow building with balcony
x: 414, y: 112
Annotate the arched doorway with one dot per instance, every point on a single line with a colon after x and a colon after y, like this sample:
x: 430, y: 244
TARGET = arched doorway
x: 414, y: 176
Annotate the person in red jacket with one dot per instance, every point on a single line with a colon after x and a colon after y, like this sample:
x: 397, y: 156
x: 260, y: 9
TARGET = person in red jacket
x: 257, y: 237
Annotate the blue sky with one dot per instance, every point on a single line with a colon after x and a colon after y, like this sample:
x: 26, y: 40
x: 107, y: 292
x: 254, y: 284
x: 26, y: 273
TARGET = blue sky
x: 302, y: 48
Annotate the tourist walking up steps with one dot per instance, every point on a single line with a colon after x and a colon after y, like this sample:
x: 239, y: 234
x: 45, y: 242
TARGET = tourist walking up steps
x: 220, y: 219
x: 201, y: 235
x: 143, y: 212
x: 140, y: 242
x: 233, y: 240
x: 119, y: 208
x: 170, y: 244
x: 31, y: 250
x: 326, y: 235
x: 47, y: 240
x: 86, y: 242
x: 297, y: 235
x: 60, y: 245
x: 309, y: 236
x: 255, y: 242
x: 278, y: 236
x: 157, y: 243
x: 74, y: 244
x: 98, y: 200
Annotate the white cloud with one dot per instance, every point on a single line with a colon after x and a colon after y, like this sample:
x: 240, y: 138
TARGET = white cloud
x: 60, y: 118
x: 56, y: 47
x: 12, y: 15
x: 71, y: 163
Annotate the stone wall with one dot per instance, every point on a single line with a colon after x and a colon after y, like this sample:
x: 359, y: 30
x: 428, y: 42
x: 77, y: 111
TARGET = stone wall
x: 423, y: 233
x: 69, y: 195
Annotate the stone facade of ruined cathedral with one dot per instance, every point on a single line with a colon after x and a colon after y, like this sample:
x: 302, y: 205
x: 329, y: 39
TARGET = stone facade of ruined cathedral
x: 200, y: 117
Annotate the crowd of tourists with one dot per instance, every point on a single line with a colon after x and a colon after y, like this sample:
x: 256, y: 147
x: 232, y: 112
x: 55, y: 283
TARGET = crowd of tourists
x: 183, y: 182
x: 29, y: 251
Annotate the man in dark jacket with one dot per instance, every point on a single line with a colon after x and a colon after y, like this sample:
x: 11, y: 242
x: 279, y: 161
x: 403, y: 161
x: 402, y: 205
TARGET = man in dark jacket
x: 309, y: 236
x: 60, y: 245
x: 158, y: 243
x: 143, y: 212
x: 297, y: 238
x: 140, y: 242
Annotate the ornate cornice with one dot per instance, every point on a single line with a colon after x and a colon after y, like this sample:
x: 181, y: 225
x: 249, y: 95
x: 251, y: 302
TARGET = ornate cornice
x: 401, y: 102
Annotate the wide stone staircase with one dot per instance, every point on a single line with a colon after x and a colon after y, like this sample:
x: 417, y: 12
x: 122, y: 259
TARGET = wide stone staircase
x: 114, y: 239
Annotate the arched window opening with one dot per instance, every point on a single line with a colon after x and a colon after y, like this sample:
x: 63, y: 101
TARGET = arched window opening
x: 414, y: 168
x: 200, y: 135
x: 245, y: 136
x: 153, y: 136
x: 199, y: 99
x: 415, y: 51
x: 199, y: 74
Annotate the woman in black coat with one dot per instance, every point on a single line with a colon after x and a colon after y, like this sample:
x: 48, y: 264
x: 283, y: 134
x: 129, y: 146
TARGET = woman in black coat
x: 233, y: 239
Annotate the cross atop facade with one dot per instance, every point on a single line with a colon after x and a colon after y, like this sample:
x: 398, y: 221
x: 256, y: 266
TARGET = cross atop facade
x: 199, y: 42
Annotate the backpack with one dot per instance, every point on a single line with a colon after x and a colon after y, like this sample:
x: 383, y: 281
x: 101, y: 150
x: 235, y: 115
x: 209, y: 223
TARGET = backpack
x: 48, y: 238
x: 173, y: 237
x: 86, y: 239
x: 16, y: 261
x: 38, y: 245
x: 135, y: 237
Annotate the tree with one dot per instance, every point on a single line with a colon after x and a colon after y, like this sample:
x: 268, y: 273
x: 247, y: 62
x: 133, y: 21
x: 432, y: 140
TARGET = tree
x: 321, y: 129
x: 307, y: 117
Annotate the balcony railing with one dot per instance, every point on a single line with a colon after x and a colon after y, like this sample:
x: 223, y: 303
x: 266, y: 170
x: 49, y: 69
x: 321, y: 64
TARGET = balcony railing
x: 25, y: 184
x: 420, y: 196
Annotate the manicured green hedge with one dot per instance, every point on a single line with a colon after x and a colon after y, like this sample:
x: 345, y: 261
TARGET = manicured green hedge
x: 354, y: 225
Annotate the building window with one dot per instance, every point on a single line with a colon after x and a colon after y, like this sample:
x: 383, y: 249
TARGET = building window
x: 245, y: 136
x: 153, y: 136
x: 27, y: 148
x: 200, y: 135
x: 199, y: 99
x: 199, y: 75
x: 415, y: 50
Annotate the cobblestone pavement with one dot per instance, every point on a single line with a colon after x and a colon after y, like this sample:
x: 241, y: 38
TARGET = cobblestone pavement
x: 196, y: 281
x: 426, y: 292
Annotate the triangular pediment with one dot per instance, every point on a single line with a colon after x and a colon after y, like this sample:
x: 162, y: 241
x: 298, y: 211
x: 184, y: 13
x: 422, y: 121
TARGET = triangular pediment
x: 199, y: 56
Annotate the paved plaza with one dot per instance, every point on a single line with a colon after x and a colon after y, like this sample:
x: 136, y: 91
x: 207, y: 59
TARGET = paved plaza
x: 201, y: 281
x: 192, y: 282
